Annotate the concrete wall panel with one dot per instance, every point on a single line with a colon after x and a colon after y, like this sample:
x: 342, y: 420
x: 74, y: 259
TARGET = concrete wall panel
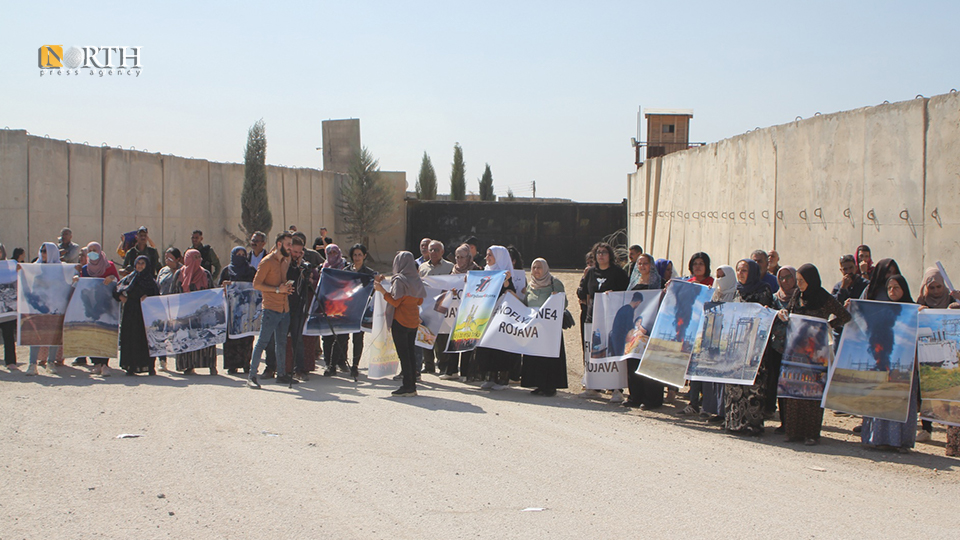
x: 226, y: 186
x: 304, y: 209
x: 275, y: 197
x: 14, y: 184
x: 48, y: 178
x: 291, y: 203
x: 133, y: 195
x: 941, y: 214
x: 186, y: 203
x: 86, y: 193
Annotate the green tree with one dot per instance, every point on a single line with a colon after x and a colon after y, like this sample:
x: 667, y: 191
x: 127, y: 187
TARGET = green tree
x: 254, y: 207
x: 486, y: 185
x: 427, y: 180
x: 509, y: 196
x: 364, y: 199
x: 458, y: 176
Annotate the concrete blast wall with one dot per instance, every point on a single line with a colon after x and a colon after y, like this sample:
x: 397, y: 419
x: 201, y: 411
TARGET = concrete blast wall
x: 814, y: 190
x: 101, y: 193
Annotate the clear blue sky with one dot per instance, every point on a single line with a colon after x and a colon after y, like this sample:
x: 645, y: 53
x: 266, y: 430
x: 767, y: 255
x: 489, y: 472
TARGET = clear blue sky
x: 544, y: 91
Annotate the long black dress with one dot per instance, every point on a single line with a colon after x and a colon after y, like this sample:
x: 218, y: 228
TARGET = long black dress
x: 743, y: 405
x: 495, y: 364
x: 134, y: 351
x: 538, y: 371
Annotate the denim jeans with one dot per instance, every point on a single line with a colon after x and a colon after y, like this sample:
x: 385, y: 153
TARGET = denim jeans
x: 273, y: 325
x: 51, y: 355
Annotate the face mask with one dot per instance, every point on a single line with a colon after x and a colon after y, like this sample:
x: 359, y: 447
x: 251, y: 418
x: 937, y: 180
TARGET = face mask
x: 93, y: 256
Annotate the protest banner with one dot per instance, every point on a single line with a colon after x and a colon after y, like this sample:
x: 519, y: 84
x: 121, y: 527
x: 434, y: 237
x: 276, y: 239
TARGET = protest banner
x: 518, y: 329
x: 601, y: 375
x: 43, y: 294
x: 435, y: 311
x: 244, y: 309
x: 674, y: 333
x: 622, y: 322
x: 379, y: 352
x: 938, y: 353
x: 182, y: 323
x: 874, y: 369
x: 91, y: 325
x: 338, y: 306
x: 479, y: 299
x: 730, y: 341
x: 8, y: 290
x: 807, y: 357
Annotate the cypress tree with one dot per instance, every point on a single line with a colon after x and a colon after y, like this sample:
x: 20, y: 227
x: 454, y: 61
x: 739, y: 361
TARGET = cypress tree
x: 254, y: 206
x: 458, y: 176
x: 486, y: 185
x: 427, y: 180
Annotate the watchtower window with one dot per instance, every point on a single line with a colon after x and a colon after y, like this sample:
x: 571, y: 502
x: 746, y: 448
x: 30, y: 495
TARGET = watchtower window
x: 669, y: 128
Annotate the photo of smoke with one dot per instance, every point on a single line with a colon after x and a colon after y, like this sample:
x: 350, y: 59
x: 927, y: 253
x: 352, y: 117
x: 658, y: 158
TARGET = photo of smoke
x: 874, y: 368
x: 622, y: 322
x: 8, y: 290
x: 730, y: 342
x: 938, y: 353
x: 339, y: 303
x: 44, y: 291
x: 181, y: 323
x: 244, y: 309
x: 674, y: 332
x: 807, y: 357
x: 91, y: 325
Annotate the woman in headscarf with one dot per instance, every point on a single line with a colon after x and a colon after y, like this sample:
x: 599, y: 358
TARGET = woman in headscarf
x: 192, y: 277
x: 463, y: 263
x: 358, y: 263
x: 518, y: 276
x: 743, y: 404
x: 803, y: 418
x: 132, y: 289
x: 645, y: 276
x: 699, y: 267
x: 237, y: 352
x: 879, y: 276
x: 724, y: 290
x: 787, y: 281
x: 877, y: 432
x: 544, y: 374
x: 864, y: 261
x: 665, y: 269
x: 9, y: 331
x: 588, y: 263
x: 495, y: 365
x: 403, y: 315
x: 335, y: 347
x: 49, y: 254
x: 19, y: 255
x: 934, y: 295
x: 97, y: 266
x: 604, y: 276
x: 172, y: 261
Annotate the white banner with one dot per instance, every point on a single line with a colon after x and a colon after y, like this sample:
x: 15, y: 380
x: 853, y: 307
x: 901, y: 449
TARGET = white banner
x: 379, y: 352
x: 518, y: 329
x: 435, y: 312
x: 622, y: 322
x: 605, y: 376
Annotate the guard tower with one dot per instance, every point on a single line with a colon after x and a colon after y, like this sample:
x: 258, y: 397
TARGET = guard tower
x: 668, y: 130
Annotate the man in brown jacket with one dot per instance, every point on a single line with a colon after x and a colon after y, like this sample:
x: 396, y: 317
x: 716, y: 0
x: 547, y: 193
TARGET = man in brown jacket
x: 271, y: 280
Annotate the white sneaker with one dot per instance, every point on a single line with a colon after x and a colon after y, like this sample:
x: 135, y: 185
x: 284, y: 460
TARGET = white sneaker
x: 105, y: 371
x: 593, y: 394
x: 487, y: 385
x: 499, y: 387
x: 31, y: 370
x: 616, y: 397
x: 163, y: 365
x: 52, y: 369
x: 924, y: 436
x: 96, y: 369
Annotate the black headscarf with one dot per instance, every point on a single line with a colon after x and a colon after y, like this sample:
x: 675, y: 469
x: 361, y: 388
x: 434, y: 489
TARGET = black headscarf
x: 906, y: 298
x: 815, y: 296
x: 878, y: 277
x: 239, y: 268
x: 754, y: 281
x: 142, y: 281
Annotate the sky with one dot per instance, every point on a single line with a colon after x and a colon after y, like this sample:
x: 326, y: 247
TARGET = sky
x: 544, y: 92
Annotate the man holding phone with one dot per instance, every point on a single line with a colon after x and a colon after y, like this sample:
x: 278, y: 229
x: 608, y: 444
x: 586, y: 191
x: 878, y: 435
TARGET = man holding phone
x: 271, y: 280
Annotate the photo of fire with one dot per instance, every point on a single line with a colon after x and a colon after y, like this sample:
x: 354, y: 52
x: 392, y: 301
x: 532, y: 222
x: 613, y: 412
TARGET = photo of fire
x: 674, y: 333
x: 807, y: 358
x: 339, y: 304
x: 875, y: 362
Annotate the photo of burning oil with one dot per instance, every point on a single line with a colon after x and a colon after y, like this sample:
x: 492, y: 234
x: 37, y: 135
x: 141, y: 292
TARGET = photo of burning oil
x: 674, y: 333
x: 807, y: 357
x: 730, y: 342
x: 938, y: 353
x: 339, y: 303
x: 875, y: 362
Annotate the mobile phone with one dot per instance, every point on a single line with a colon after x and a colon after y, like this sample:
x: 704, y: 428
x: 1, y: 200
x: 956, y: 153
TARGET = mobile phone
x: 290, y: 282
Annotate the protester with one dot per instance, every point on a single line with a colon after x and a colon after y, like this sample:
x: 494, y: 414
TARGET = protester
x: 588, y: 263
x: 699, y: 267
x: 459, y: 361
x: 193, y: 277
x: 208, y: 257
x: 518, y: 276
x: 403, y: 315
x: 803, y: 418
x: 852, y: 284
x: 18, y: 255
x: 320, y: 242
x: 544, y: 375
x: 96, y: 265
x: 143, y: 246
x: 665, y: 269
x: 646, y: 275
x: 495, y: 365
x: 9, y: 331
x: 69, y: 250
x: 933, y: 295
x: 787, y: 279
x: 864, y: 260
x: 358, y: 258
x: 335, y: 346
x: 257, y: 251
x: 236, y: 351
x: 605, y: 276
x: 49, y: 254
x: 631, y: 265
x: 270, y: 280
x: 744, y: 405
x: 877, y: 432
x: 310, y: 256
x: 478, y: 257
x: 435, y: 265
x: 172, y: 261
x: 300, y: 272
x: 132, y: 289
x: 773, y: 262
x: 879, y: 276
x: 424, y: 252
x: 760, y: 257
x: 725, y: 290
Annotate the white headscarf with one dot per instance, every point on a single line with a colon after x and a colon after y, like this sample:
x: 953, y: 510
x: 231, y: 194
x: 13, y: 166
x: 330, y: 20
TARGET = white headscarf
x: 53, y: 253
x: 725, y: 288
x: 501, y: 259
